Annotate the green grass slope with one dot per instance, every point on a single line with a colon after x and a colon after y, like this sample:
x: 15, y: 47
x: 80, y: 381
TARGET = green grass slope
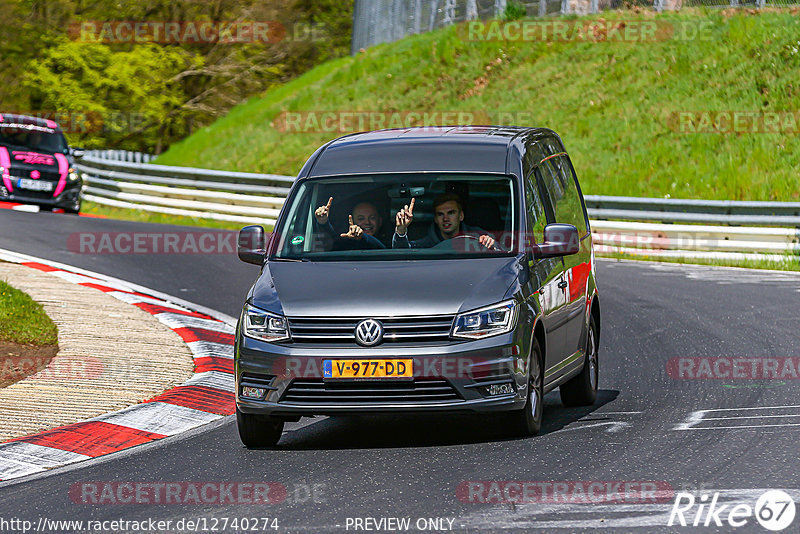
x: 613, y: 103
x: 23, y: 320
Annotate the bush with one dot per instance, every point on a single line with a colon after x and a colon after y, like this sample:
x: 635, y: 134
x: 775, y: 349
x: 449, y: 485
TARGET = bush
x: 514, y: 11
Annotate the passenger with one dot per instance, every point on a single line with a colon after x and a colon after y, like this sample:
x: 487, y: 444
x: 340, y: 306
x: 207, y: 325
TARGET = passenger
x: 448, y: 216
x: 364, y: 224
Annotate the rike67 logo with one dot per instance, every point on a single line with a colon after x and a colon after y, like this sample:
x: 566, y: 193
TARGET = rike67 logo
x: 774, y: 510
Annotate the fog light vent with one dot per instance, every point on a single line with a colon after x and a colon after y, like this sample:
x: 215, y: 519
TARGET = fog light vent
x: 494, y: 383
x: 255, y: 386
x: 253, y: 393
x: 500, y: 389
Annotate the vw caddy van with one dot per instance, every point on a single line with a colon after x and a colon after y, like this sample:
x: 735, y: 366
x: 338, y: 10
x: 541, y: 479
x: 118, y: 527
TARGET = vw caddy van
x: 441, y: 269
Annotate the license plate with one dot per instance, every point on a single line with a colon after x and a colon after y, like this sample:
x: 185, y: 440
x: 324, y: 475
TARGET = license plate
x: 34, y: 185
x: 378, y: 368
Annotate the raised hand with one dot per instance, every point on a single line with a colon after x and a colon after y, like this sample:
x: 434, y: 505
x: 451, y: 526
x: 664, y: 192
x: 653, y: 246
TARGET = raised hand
x: 323, y: 212
x: 404, y: 218
x: 486, y: 241
x: 355, y: 231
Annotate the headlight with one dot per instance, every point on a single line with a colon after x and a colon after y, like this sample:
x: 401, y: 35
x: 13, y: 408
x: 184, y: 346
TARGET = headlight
x: 263, y: 325
x: 73, y: 174
x: 485, y: 322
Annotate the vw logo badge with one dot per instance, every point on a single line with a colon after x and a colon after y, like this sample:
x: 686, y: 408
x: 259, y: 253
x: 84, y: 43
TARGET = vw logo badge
x: 369, y: 332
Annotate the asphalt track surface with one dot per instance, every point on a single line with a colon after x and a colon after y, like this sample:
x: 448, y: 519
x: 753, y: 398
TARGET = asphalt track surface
x: 645, y: 426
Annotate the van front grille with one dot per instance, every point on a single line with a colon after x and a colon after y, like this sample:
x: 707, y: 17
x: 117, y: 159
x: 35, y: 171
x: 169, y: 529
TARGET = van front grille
x: 396, y: 330
x: 356, y: 393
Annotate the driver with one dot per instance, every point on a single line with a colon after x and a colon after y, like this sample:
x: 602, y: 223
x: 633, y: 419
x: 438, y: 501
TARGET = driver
x: 448, y: 217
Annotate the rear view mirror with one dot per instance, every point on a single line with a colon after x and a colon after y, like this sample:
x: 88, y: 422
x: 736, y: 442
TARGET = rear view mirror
x: 559, y: 240
x: 252, y: 245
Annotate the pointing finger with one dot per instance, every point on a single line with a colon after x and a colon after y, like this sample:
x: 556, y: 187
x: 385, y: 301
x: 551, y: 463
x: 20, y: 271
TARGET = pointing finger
x: 411, y: 207
x: 351, y: 220
x: 330, y: 201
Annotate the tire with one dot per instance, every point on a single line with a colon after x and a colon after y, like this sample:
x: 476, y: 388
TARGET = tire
x: 582, y: 389
x: 75, y: 209
x: 258, y: 430
x: 528, y: 421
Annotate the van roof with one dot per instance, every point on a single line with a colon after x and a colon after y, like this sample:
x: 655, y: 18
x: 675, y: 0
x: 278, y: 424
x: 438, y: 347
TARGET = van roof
x: 434, y: 148
x: 26, y: 119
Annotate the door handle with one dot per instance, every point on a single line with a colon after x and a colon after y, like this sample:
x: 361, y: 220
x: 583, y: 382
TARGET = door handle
x: 562, y: 284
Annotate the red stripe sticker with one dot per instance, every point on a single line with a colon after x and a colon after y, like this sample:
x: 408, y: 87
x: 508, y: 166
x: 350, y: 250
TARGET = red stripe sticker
x: 92, y: 438
x: 213, y: 363
x: 155, y: 308
x: 199, y: 398
x: 40, y: 266
x: 198, y: 334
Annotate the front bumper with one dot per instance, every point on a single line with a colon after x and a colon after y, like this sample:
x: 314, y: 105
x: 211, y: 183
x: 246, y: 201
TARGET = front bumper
x: 69, y: 198
x: 460, y: 373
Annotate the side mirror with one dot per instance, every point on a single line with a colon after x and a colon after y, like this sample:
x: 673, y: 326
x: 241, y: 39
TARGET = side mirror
x: 77, y: 152
x: 559, y: 240
x: 252, y: 245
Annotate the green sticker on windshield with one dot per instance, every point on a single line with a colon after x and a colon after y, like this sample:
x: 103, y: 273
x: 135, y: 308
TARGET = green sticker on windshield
x: 296, y: 240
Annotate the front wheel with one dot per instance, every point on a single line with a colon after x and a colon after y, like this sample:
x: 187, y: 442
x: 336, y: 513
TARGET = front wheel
x: 582, y: 389
x: 258, y: 430
x: 528, y: 421
x: 75, y: 209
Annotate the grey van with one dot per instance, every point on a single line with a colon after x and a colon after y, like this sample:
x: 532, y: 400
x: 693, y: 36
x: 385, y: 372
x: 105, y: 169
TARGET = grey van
x: 438, y: 269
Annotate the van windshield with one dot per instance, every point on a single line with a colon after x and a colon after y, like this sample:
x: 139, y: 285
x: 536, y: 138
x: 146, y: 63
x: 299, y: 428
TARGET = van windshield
x: 33, y: 137
x: 399, y: 216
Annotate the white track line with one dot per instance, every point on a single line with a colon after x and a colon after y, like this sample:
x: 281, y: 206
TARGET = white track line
x: 159, y: 418
x: 176, y: 320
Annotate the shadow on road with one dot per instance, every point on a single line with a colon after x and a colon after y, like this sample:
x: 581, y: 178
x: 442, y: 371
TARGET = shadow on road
x: 429, y: 430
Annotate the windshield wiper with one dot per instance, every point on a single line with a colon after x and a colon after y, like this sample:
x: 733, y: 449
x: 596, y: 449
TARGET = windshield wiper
x: 290, y: 259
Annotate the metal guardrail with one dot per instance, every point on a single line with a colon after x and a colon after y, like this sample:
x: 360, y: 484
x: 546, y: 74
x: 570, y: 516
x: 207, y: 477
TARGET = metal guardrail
x: 188, y: 191
x: 733, y: 212
x: 121, y: 155
x: 619, y: 224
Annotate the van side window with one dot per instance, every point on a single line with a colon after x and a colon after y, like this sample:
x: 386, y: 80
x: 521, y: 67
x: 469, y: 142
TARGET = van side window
x: 562, y: 189
x: 568, y: 171
x: 549, y: 188
x: 572, y: 210
x: 536, y: 216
